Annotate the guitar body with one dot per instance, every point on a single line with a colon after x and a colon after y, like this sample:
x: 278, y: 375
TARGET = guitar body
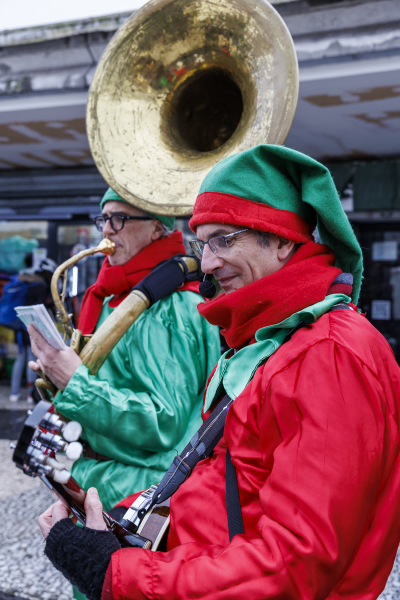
x: 155, y: 526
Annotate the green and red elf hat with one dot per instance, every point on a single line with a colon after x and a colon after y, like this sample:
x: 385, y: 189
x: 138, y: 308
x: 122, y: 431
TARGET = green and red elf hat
x: 111, y: 196
x: 281, y: 191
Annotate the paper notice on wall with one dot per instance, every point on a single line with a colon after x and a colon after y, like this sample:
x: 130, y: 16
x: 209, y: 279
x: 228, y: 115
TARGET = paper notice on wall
x: 38, y: 255
x: 385, y: 250
x: 381, y: 310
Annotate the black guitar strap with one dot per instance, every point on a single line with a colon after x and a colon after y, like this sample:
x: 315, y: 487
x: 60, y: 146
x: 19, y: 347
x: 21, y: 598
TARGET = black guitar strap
x: 200, y: 447
x: 233, y: 510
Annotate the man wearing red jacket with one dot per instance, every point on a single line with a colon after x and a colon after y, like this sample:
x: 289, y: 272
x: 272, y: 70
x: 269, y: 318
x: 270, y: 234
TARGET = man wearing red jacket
x: 313, y: 432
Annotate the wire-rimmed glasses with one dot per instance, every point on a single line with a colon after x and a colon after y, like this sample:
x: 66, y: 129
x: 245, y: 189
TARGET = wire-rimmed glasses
x: 117, y: 221
x: 219, y: 244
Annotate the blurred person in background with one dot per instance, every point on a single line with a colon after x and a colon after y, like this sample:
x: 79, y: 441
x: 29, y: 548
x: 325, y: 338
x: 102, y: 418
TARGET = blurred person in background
x: 36, y: 290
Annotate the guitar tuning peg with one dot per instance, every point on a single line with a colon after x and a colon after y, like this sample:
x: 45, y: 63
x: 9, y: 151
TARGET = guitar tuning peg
x: 29, y: 412
x: 61, y: 476
x: 51, y: 441
x: 52, y: 422
x: 72, y: 431
x: 13, y: 445
x: 54, y: 464
x: 74, y: 450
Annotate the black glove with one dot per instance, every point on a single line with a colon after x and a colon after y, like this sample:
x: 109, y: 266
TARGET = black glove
x: 82, y: 555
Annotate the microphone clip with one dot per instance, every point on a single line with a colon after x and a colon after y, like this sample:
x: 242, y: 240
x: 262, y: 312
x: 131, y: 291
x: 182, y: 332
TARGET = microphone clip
x: 207, y: 289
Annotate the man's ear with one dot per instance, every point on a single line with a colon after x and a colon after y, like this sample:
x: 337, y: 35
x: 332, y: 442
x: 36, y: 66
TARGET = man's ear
x: 157, y: 230
x: 285, y: 248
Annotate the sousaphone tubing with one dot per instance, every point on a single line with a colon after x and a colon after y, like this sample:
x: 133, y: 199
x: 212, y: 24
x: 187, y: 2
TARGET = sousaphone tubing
x: 182, y: 85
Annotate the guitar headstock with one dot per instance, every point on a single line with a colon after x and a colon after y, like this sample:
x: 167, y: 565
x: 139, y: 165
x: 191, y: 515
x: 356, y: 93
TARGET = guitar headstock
x: 43, y: 435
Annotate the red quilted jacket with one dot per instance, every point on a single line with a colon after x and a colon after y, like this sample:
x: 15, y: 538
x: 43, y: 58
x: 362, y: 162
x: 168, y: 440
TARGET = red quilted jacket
x: 315, y: 441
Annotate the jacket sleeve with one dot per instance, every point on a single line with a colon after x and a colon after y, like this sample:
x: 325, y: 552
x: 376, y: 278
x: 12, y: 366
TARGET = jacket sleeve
x: 149, y: 405
x: 315, y: 506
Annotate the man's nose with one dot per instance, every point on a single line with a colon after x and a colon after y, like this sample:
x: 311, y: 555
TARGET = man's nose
x: 107, y: 229
x: 210, y: 261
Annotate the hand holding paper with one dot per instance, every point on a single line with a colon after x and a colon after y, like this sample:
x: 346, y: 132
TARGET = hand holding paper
x: 55, y: 359
x: 38, y: 316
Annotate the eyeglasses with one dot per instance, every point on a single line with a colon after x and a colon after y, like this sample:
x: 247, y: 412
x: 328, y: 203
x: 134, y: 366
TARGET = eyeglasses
x: 117, y: 222
x: 219, y: 245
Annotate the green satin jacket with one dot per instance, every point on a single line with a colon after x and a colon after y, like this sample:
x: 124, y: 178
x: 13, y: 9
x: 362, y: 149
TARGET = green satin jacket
x: 145, y: 403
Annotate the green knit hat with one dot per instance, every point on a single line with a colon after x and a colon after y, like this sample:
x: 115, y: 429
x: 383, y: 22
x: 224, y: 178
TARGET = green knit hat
x: 276, y: 189
x: 111, y: 196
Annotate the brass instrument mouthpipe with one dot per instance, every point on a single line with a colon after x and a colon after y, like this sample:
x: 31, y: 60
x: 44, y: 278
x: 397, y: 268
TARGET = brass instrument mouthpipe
x: 45, y: 384
x: 117, y: 324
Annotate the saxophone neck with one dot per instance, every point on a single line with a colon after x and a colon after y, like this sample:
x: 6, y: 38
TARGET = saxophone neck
x: 107, y: 247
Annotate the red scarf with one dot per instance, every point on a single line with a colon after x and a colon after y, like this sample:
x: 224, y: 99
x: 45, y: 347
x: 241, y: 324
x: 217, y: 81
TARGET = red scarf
x: 119, y: 280
x: 303, y: 281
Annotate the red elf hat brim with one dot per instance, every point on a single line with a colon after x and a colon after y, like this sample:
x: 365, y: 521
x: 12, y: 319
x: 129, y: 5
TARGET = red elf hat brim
x: 219, y: 207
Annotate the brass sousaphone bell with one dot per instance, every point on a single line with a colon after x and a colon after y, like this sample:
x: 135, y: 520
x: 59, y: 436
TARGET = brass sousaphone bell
x: 182, y: 85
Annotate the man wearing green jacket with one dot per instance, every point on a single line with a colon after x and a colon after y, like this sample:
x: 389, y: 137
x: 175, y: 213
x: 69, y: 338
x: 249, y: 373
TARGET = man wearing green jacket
x: 145, y: 401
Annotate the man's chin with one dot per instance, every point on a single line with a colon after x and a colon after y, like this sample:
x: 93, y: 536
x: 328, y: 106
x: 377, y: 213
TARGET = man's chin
x: 231, y: 286
x: 117, y: 260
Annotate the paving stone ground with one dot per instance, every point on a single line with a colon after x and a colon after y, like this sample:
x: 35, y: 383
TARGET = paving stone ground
x: 24, y: 569
x: 25, y: 572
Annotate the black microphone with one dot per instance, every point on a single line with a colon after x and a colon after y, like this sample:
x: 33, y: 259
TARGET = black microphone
x: 207, y: 289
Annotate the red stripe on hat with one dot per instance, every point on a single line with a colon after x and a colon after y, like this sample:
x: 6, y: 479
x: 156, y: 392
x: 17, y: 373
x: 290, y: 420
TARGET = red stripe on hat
x: 217, y: 207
